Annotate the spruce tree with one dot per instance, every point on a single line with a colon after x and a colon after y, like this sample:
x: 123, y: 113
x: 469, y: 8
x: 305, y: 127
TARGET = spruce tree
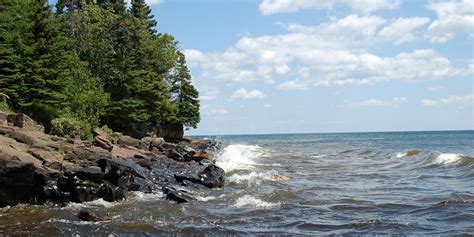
x: 186, y: 97
x: 11, y: 80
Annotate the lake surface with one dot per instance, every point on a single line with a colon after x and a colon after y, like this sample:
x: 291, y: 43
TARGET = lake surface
x: 347, y: 183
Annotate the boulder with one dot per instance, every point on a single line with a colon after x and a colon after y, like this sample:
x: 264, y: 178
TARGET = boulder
x: 23, y: 121
x: 203, y: 154
x: 132, y: 142
x: 178, y: 196
x: 93, y: 215
x: 212, y: 176
x: 103, y: 142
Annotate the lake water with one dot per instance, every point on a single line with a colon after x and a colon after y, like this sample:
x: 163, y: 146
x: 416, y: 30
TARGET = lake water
x: 347, y: 183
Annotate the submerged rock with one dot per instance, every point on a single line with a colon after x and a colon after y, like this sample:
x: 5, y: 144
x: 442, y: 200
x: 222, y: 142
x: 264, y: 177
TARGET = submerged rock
x: 89, y: 215
x: 179, y: 196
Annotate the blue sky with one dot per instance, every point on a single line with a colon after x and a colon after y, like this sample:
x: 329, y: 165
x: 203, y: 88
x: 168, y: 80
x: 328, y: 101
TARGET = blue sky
x: 292, y: 66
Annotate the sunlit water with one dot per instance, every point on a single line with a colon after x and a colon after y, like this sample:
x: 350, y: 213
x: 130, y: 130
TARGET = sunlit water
x: 377, y: 183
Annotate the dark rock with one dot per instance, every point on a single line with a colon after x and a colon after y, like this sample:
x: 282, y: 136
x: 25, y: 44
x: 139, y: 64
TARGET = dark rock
x: 175, y: 155
x: 212, y: 176
x: 88, y: 215
x: 189, y: 177
x: 178, y: 196
x: 37, y: 168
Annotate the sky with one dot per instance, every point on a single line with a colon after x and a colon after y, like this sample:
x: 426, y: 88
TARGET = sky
x: 302, y: 66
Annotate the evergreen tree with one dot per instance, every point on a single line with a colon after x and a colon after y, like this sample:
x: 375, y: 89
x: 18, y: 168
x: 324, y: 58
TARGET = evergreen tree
x: 141, y: 11
x: 186, y: 97
x: 11, y: 81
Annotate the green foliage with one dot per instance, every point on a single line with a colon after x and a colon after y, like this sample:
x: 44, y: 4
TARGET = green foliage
x: 92, y: 63
x: 4, y: 107
x: 186, y: 97
x: 107, y: 130
x: 71, y: 127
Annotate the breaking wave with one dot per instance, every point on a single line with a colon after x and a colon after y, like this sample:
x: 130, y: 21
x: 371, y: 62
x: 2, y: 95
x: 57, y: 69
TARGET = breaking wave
x: 238, y: 157
x: 408, y: 153
x: 253, y: 202
x: 449, y: 158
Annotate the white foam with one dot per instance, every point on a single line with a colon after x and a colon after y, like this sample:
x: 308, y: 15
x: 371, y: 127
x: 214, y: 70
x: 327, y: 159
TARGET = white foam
x: 256, y: 177
x: 96, y: 203
x: 447, y: 158
x: 55, y: 220
x: 252, y: 202
x: 141, y: 196
x: 407, y: 153
x: 238, y: 157
x: 318, y: 156
x: 209, y: 198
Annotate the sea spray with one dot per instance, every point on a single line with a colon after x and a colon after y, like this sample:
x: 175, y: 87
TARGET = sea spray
x: 238, y: 157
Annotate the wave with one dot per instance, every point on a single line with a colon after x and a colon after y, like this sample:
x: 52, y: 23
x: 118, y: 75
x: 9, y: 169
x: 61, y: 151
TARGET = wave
x: 96, y: 203
x: 256, y: 177
x: 238, y: 157
x: 408, y: 153
x: 449, y: 158
x: 253, y: 202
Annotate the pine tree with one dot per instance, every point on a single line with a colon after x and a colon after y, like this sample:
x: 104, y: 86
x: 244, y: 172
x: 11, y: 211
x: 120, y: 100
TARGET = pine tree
x: 186, y: 97
x: 141, y: 11
x: 11, y: 81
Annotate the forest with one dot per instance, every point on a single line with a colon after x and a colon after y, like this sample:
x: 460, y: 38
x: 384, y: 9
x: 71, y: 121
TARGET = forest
x: 83, y: 64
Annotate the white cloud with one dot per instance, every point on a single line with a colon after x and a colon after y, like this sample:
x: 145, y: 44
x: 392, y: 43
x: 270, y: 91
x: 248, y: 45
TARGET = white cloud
x: 402, y: 30
x: 334, y: 53
x: 395, y: 102
x: 453, y: 17
x: 242, y: 93
x: 269, y: 7
x: 267, y: 105
x: 282, y: 69
x: 464, y: 99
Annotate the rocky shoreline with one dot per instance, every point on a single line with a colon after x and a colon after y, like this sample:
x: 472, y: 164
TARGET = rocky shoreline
x: 38, y: 168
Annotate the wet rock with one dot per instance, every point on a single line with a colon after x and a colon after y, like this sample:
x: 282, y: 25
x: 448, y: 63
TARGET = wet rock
x: 89, y: 215
x: 178, y: 196
x: 201, y: 155
x: 212, y: 176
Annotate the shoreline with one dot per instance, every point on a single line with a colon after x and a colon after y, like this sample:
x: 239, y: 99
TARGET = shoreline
x: 36, y: 168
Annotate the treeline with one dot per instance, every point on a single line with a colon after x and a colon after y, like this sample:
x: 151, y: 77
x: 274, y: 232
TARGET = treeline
x: 88, y: 63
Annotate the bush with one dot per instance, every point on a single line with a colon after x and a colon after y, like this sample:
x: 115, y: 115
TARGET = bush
x: 71, y: 127
x: 107, y: 130
x: 4, y: 107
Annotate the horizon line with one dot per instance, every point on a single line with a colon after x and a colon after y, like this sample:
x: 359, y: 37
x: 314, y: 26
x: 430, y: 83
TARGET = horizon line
x: 302, y: 133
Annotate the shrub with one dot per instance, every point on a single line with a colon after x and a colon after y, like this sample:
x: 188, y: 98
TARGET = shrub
x: 4, y: 107
x: 107, y: 130
x: 71, y: 127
